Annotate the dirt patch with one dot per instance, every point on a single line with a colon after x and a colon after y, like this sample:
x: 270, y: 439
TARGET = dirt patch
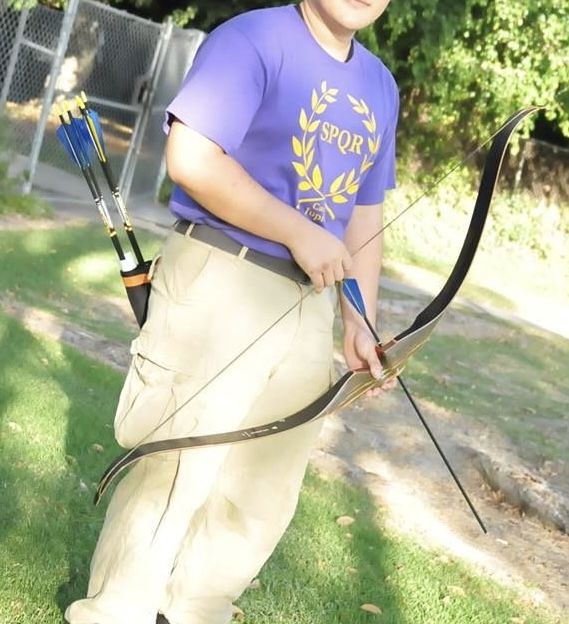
x: 20, y: 222
x: 381, y: 445
x: 47, y: 324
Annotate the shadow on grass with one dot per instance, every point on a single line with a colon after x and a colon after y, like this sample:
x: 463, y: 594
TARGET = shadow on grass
x: 63, y: 404
x: 58, y: 404
x: 321, y: 572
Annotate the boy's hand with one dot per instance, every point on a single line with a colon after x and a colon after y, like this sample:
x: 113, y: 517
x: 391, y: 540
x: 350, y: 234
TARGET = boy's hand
x: 359, y: 352
x: 322, y: 256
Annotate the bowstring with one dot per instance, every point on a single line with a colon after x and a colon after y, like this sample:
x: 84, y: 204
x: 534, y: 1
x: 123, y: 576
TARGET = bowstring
x: 311, y: 290
x: 430, y: 188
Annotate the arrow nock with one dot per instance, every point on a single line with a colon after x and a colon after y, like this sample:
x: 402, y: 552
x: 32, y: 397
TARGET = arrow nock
x: 80, y: 103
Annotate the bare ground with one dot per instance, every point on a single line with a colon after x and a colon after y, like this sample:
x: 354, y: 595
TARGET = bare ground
x: 380, y: 444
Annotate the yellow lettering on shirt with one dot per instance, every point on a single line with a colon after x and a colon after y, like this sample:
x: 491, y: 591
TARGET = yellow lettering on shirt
x: 347, y: 142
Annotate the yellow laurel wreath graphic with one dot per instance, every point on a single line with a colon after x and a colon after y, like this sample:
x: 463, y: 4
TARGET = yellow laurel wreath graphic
x: 370, y: 124
x: 312, y: 179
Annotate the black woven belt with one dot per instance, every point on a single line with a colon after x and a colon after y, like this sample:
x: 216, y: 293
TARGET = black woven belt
x: 217, y: 238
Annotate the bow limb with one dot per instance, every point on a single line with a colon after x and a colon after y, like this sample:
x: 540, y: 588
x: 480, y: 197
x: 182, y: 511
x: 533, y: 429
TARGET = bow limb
x: 393, y: 355
x: 344, y: 392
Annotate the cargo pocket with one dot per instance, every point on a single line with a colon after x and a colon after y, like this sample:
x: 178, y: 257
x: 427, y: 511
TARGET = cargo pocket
x: 147, y: 402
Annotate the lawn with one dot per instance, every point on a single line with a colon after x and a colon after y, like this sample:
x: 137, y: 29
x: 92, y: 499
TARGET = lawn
x: 72, y: 272
x: 56, y: 438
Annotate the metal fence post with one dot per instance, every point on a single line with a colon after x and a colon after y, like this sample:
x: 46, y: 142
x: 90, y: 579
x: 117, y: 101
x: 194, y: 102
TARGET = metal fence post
x: 13, y: 58
x: 64, y: 35
x: 140, y: 128
x: 162, y: 172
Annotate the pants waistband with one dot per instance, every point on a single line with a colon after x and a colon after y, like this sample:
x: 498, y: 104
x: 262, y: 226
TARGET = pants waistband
x: 217, y: 238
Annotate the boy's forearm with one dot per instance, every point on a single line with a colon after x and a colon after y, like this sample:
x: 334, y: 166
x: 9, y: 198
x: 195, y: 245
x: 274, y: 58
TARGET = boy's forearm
x: 366, y: 267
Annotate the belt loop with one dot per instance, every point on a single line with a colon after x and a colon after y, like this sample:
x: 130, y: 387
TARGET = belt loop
x: 243, y: 252
x: 188, y: 232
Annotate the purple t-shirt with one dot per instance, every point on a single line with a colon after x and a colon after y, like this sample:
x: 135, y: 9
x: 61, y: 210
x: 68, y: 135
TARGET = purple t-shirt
x: 317, y: 133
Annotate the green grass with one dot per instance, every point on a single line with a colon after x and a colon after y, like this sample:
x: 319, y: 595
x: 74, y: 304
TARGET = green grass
x: 322, y: 573
x: 55, y: 405
x: 516, y: 379
x: 11, y: 199
x: 67, y: 271
x: 523, y: 255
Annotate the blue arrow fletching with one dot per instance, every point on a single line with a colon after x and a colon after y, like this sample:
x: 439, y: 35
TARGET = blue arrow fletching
x: 63, y: 136
x: 82, y: 139
x: 353, y: 294
x: 82, y: 130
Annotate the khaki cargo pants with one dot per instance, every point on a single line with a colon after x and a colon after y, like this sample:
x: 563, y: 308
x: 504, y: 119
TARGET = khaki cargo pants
x: 185, y: 532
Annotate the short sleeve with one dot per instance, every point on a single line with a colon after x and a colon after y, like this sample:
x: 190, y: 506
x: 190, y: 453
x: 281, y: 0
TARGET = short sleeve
x: 223, y: 89
x: 381, y: 177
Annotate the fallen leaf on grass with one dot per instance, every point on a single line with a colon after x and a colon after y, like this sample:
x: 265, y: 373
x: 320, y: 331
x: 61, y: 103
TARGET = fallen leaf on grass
x: 238, y: 614
x: 371, y: 608
x: 517, y: 620
x: 455, y: 589
x: 98, y: 448
x: 345, y: 521
x: 352, y: 571
x: 255, y: 584
x: 446, y: 600
x: 13, y: 426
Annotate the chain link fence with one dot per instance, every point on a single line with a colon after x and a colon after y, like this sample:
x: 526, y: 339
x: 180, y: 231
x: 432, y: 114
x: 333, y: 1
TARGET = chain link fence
x: 122, y: 61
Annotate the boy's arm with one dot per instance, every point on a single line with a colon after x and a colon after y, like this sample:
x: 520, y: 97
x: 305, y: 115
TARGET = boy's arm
x: 219, y: 183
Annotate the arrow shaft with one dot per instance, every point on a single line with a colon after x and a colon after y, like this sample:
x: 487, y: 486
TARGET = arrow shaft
x: 109, y: 176
x: 364, y: 316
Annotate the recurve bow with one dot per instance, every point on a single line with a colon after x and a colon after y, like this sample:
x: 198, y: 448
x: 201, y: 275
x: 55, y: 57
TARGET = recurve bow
x: 394, y: 354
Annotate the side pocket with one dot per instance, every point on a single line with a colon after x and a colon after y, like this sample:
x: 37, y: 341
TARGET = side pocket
x: 181, y: 266
x: 147, y: 399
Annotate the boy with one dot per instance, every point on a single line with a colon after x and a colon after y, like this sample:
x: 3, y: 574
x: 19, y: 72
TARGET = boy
x: 281, y: 145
